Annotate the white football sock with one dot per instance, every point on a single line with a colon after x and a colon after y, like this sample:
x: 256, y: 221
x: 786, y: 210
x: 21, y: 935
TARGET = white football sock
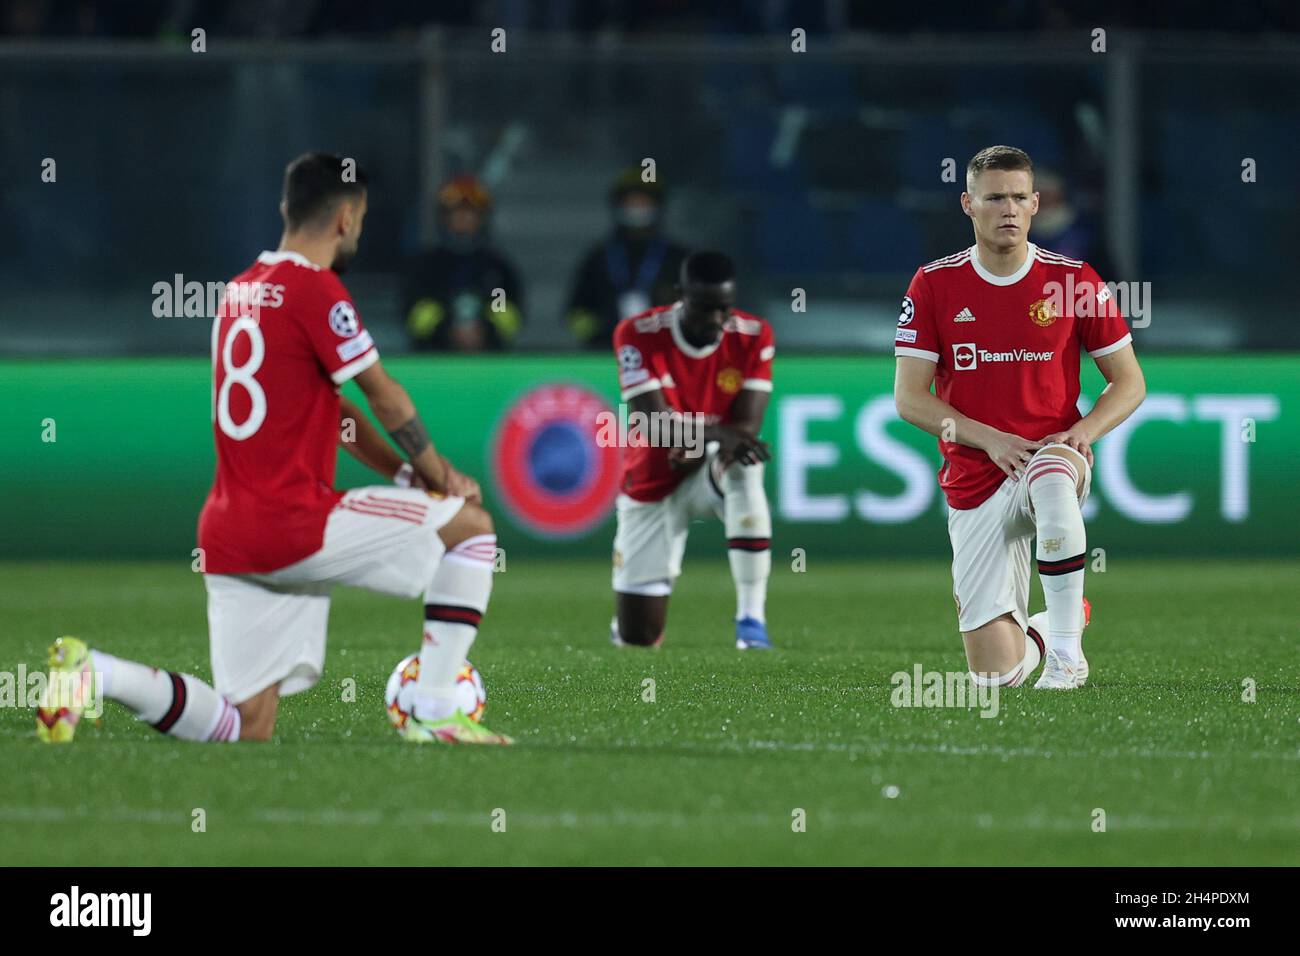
x: 1033, y: 654
x: 179, y: 705
x: 1011, y: 678
x: 453, y: 606
x: 751, y: 595
x: 748, y: 522
x: 1061, y: 550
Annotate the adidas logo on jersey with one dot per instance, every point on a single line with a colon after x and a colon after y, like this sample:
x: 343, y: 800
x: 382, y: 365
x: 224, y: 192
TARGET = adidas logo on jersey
x: 965, y: 315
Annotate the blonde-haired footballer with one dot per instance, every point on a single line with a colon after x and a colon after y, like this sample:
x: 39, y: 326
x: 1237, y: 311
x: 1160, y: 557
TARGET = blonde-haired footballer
x: 997, y: 330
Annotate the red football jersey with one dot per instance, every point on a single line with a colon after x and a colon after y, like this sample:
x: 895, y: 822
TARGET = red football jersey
x: 286, y: 337
x: 653, y: 354
x: 1007, y: 350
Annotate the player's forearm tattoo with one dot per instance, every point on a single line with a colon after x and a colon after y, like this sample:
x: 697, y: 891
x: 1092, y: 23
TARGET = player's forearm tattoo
x: 412, y: 437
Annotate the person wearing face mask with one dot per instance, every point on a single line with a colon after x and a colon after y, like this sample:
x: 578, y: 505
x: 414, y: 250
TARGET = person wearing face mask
x: 463, y: 295
x: 633, y: 269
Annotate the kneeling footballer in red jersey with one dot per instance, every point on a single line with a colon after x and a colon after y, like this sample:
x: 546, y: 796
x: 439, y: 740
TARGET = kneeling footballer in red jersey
x: 997, y: 330
x: 702, y: 370
x: 275, y: 536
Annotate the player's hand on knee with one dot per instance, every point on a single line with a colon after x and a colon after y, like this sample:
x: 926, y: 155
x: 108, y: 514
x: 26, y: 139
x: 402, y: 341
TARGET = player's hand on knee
x: 1072, y: 439
x: 1011, y: 453
x: 463, y: 486
x: 737, y: 446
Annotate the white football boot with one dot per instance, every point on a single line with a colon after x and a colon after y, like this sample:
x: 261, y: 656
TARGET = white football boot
x: 1066, y: 675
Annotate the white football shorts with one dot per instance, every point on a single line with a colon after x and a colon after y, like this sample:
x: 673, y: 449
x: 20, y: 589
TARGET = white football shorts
x: 269, y: 628
x: 651, y: 537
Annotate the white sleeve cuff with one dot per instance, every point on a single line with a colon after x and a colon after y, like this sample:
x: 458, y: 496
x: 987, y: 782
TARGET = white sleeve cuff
x: 1113, y: 347
x: 647, y: 386
x: 900, y: 350
x: 757, y: 384
x: 355, y: 367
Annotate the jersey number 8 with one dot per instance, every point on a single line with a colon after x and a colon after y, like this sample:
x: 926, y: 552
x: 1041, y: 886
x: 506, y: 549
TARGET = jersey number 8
x: 240, y: 375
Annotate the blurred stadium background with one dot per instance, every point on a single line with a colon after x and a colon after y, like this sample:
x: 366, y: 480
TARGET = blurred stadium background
x: 817, y: 171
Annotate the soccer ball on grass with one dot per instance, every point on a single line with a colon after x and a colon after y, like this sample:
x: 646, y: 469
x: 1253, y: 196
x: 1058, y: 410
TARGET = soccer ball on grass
x: 399, y: 695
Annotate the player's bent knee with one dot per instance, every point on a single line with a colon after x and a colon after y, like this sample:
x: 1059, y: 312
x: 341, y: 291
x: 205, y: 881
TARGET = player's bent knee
x: 995, y: 647
x: 1056, y: 460
x: 739, y: 477
x: 471, y: 521
x: 640, y: 634
x: 1054, y: 496
x: 641, y: 619
x: 636, y: 630
x: 257, y: 715
x: 1070, y: 455
x: 642, y: 638
x: 481, y: 519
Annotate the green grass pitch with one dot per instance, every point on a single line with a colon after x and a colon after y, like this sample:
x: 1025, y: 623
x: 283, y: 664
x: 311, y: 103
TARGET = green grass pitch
x: 715, y: 768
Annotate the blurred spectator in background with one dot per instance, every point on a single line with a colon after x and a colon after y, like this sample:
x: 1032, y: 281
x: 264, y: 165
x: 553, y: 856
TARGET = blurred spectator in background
x: 25, y: 18
x: 1060, y: 226
x: 463, y: 295
x: 632, y: 270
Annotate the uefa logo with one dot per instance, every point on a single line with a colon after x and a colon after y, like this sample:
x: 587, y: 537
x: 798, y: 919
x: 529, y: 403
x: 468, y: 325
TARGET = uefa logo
x: 552, y: 474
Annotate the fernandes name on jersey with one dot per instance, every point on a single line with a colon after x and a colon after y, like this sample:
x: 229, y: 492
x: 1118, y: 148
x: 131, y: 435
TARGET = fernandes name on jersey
x: 287, y: 336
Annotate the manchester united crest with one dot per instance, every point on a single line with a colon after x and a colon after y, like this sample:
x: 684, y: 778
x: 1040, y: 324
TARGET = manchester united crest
x: 730, y: 380
x: 1043, y: 312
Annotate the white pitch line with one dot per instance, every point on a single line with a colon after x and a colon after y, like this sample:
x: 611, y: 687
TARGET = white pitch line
x: 894, y: 817
x: 864, y: 748
x: 870, y: 749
